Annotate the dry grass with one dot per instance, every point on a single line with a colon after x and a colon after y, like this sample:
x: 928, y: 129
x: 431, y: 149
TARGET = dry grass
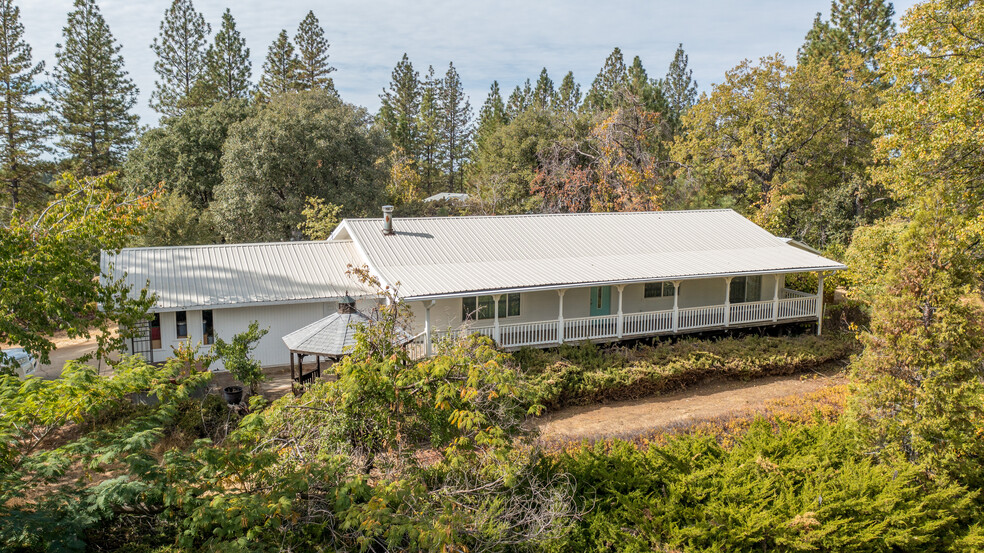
x: 824, y: 405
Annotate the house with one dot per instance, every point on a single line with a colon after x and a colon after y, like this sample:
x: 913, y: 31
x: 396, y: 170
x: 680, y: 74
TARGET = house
x: 524, y: 280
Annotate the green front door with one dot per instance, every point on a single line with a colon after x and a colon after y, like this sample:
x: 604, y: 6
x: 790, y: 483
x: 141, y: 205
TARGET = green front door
x: 601, y: 300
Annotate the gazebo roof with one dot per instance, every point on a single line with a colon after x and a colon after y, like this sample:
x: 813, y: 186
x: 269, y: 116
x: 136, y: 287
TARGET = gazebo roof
x: 332, y: 336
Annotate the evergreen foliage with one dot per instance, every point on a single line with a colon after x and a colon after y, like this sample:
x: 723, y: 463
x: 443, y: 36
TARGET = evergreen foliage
x: 184, y: 155
x: 228, y: 68
x: 679, y: 86
x: 23, y: 136
x: 520, y: 100
x: 861, y: 27
x: 399, y: 112
x: 455, y: 127
x: 180, y: 50
x: 281, y: 71
x: 93, y: 96
x: 430, y: 126
x: 611, y: 79
x: 543, y: 93
x: 298, y: 146
x: 312, y: 48
x: 568, y: 96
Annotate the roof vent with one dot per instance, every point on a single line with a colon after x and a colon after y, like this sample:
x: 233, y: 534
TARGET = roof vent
x: 387, y: 219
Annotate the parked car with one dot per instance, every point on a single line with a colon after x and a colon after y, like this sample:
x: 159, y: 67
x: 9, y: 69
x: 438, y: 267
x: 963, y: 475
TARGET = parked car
x: 26, y: 364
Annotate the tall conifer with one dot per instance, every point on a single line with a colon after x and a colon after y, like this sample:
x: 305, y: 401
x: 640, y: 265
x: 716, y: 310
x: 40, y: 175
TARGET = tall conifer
x: 679, y: 86
x: 429, y: 126
x: 492, y: 114
x: 180, y: 50
x: 93, y: 95
x: 400, y: 108
x: 228, y: 68
x: 281, y: 71
x: 23, y: 136
x: 543, y: 94
x: 456, y: 128
x: 863, y: 27
x: 568, y: 96
x: 612, y: 78
x: 520, y: 100
x: 313, y: 52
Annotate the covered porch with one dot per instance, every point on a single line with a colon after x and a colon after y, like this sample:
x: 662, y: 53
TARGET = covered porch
x: 623, y: 318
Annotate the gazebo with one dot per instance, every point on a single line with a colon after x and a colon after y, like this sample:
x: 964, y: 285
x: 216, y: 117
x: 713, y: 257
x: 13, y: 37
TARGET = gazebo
x: 331, y: 337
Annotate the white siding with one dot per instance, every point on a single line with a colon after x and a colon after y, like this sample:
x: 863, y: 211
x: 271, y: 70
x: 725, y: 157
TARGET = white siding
x: 544, y: 305
x: 279, y: 319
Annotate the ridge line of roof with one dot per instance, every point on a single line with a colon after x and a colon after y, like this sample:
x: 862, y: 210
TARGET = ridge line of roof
x: 230, y: 246
x: 531, y: 215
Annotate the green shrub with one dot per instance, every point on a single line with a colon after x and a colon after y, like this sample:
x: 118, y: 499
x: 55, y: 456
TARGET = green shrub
x: 801, y: 488
x: 586, y: 374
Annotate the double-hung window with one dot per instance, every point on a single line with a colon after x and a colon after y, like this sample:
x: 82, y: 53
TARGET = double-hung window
x: 480, y: 308
x: 659, y: 290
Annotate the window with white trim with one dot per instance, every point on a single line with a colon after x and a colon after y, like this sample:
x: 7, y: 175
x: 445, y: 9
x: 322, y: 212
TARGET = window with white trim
x: 181, y: 324
x: 478, y: 308
x: 658, y: 290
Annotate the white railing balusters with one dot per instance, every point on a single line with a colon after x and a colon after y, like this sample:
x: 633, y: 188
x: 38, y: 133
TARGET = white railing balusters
x: 791, y: 305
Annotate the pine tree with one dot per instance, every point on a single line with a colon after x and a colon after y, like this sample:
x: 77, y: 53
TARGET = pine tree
x: 543, y: 94
x: 863, y: 27
x: 492, y: 115
x: 313, y: 50
x: 281, y: 71
x: 568, y: 97
x: 610, y: 80
x: 400, y: 108
x: 92, y: 95
x: 23, y: 137
x: 455, y: 126
x: 645, y: 90
x: 519, y: 101
x: 227, y: 65
x: 180, y: 50
x: 429, y: 129
x: 679, y: 86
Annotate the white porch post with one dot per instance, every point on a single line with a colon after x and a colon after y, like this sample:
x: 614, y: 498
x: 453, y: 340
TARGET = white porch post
x: 727, y: 301
x: 427, y: 327
x: 676, y: 306
x: 619, y: 323
x: 560, y: 317
x: 820, y: 303
x: 495, y: 307
x: 775, y: 299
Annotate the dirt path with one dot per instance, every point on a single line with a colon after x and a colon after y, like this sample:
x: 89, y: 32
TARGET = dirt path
x: 627, y: 418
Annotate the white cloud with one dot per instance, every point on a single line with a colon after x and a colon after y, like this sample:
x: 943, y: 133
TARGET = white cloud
x: 508, y: 40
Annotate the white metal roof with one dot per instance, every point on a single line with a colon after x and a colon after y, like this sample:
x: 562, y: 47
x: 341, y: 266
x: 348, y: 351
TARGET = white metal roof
x: 233, y: 275
x: 438, y: 256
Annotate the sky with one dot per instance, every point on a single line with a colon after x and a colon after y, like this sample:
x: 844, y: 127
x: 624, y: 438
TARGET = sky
x: 508, y: 41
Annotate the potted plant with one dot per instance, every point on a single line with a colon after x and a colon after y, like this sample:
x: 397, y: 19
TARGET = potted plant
x: 236, y: 356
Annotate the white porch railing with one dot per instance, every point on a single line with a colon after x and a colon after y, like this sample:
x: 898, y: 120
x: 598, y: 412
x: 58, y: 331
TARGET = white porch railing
x: 701, y: 317
x: 590, y: 328
x: 751, y: 312
x: 653, y: 322
x: 791, y: 305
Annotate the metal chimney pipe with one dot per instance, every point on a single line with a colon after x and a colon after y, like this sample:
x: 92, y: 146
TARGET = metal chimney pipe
x: 387, y: 219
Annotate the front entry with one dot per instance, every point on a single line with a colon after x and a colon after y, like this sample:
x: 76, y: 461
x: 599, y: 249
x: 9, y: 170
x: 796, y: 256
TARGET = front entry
x: 601, y: 301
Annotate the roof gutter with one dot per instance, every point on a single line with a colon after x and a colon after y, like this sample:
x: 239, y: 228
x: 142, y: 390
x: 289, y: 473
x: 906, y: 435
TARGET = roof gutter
x: 547, y: 287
